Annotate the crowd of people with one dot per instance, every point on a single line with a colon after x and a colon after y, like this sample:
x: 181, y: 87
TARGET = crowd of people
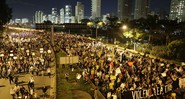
x: 23, y: 53
x: 121, y: 74
x: 117, y: 73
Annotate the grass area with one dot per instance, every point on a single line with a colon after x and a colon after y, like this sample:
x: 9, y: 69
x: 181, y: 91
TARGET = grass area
x: 58, y: 55
x: 65, y: 88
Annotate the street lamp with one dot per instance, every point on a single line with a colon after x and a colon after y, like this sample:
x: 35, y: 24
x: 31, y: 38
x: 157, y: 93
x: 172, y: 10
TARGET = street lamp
x: 124, y: 27
x: 99, y: 24
x: 129, y: 34
x: 90, y: 24
x: 52, y: 35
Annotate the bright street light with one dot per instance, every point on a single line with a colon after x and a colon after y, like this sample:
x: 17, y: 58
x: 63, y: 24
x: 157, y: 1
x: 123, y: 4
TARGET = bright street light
x: 124, y: 27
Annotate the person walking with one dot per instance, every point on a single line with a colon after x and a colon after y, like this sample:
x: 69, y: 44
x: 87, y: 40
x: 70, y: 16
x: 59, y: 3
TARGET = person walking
x: 12, y: 92
x: 22, y: 91
x: 11, y: 78
x: 96, y: 93
x: 44, y: 89
x: 16, y: 80
x: 66, y: 76
x: 49, y: 71
x: 31, y: 82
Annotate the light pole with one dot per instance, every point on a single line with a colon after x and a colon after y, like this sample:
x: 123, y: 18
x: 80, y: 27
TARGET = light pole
x: 126, y: 33
x: 96, y: 31
x: 130, y: 35
x: 90, y: 25
x: 52, y: 35
x: 99, y: 24
x: 124, y: 27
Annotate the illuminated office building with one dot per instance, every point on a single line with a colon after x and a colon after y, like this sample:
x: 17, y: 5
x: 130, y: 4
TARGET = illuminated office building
x: 141, y: 9
x: 79, y: 12
x: 177, y: 10
x: 96, y: 9
x: 124, y: 9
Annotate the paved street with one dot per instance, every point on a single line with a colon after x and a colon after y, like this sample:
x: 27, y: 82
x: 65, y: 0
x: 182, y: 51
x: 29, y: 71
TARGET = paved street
x: 23, y: 64
x: 23, y: 79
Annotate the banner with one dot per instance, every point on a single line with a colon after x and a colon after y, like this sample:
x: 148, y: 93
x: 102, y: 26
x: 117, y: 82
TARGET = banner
x: 69, y: 60
x: 147, y: 93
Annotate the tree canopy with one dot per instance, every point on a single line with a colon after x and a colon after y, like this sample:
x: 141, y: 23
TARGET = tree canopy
x: 5, y: 13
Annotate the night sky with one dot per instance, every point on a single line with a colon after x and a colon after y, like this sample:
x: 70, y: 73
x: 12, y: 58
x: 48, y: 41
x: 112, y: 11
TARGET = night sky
x: 27, y: 8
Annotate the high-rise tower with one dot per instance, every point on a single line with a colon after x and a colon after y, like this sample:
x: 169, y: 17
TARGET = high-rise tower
x: 54, y: 15
x: 96, y: 9
x: 62, y: 14
x: 141, y: 8
x: 79, y: 11
x: 68, y: 14
x: 124, y: 9
x: 39, y: 16
x: 177, y: 10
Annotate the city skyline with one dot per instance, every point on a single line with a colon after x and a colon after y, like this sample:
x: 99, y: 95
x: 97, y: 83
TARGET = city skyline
x: 26, y: 9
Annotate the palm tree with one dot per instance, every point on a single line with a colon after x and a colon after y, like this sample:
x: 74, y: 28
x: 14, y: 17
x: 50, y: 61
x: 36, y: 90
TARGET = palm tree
x: 151, y: 26
x: 112, y: 27
x: 168, y: 27
x: 85, y: 21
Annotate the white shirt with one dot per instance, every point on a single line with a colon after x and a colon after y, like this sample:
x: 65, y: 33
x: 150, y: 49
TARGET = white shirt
x: 12, y: 91
x: 114, y: 96
x: 31, y: 80
x: 109, y: 95
x: 122, y: 85
x: 48, y: 70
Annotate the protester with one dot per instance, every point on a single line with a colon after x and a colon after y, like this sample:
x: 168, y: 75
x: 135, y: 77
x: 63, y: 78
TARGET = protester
x: 22, y: 91
x: 117, y: 70
x: 12, y: 92
x: 67, y: 76
x: 10, y: 78
x: 96, y: 93
x: 44, y: 89
x: 49, y: 71
x: 121, y: 71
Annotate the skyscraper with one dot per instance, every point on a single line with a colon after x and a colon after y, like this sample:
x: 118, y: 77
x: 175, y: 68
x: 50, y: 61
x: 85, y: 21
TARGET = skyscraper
x: 96, y: 9
x: 45, y: 17
x: 25, y: 20
x: 141, y: 8
x: 62, y: 18
x: 54, y: 15
x: 18, y: 20
x: 50, y: 17
x: 124, y: 9
x: 68, y: 13
x: 39, y: 16
x: 79, y: 11
x: 177, y: 10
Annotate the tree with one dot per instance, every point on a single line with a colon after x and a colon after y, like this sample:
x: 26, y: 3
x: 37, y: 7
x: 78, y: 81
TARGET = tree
x: 168, y: 27
x: 5, y: 13
x: 152, y: 26
x: 112, y: 27
x: 112, y: 21
x: 176, y: 49
x: 85, y: 21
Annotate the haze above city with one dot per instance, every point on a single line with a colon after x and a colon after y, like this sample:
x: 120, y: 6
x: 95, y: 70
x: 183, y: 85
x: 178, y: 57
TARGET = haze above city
x: 27, y: 8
